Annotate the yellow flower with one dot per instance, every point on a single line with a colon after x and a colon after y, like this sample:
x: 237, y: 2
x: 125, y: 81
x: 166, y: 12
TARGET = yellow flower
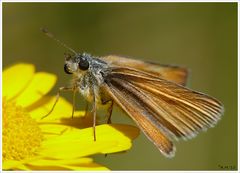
x: 56, y: 142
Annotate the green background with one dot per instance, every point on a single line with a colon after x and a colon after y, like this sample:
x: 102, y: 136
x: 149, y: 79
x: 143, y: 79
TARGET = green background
x: 200, y: 36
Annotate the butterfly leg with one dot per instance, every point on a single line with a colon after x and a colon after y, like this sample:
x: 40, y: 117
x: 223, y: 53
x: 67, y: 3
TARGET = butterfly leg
x: 94, y: 111
x: 86, y: 110
x: 110, y: 112
x: 57, y: 98
x: 73, y: 101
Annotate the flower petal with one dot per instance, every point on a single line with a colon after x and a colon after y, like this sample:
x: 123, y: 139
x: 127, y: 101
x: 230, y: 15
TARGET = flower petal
x: 53, y: 130
x: 63, y: 109
x: 38, y: 163
x: 41, y: 84
x: 110, y: 138
x: 64, y: 164
x: 16, y: 78
x: 13, y: 165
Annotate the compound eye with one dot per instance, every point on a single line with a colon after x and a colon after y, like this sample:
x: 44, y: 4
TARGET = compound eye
x: 83, y: 64
x: 66, y: 69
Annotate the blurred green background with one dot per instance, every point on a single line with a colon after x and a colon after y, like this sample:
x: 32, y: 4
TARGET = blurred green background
x: 200, y: 36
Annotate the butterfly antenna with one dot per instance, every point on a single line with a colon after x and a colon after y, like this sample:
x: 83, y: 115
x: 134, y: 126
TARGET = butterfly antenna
x: 50, y: 35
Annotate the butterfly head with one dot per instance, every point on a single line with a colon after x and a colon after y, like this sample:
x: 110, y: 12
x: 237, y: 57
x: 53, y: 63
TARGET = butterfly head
x: 77, y: 63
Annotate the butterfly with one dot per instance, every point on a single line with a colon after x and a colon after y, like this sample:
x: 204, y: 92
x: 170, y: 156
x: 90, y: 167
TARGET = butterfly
x: 155, y: 96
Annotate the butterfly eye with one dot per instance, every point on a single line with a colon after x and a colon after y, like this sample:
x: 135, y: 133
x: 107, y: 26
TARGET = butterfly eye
x: 66, y: 69
x: 83, y: 64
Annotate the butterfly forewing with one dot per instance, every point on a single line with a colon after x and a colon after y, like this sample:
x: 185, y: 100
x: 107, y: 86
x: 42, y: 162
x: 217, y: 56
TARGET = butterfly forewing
x: 172, y: 73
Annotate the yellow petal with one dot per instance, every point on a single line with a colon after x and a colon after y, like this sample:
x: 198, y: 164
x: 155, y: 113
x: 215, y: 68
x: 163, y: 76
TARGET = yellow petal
x: 13, y: 165
x: 16, y: 78
x: 64, y: 164
x: 42, y: 163
x: 110, y: 138
x: 38, y: 163
x: 51, y: 130
x: 51, y: 161
x: 62, y: 110
x: 40, y: 84
x: 90, y: 167
x: 74, y: 148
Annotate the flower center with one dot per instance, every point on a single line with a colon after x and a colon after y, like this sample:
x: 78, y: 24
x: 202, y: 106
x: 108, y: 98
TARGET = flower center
x: 21, y: 134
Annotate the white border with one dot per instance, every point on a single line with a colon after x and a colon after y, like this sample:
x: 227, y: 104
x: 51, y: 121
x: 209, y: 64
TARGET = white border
x: 10, y: 1
x: 238, y: 86
x: 1, y: 83
x: 108, y: 1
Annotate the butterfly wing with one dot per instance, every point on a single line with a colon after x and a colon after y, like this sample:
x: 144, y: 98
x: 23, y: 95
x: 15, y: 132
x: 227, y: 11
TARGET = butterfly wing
x: 128, y: 103
x: 162, y: 109
x: 168, y: 72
